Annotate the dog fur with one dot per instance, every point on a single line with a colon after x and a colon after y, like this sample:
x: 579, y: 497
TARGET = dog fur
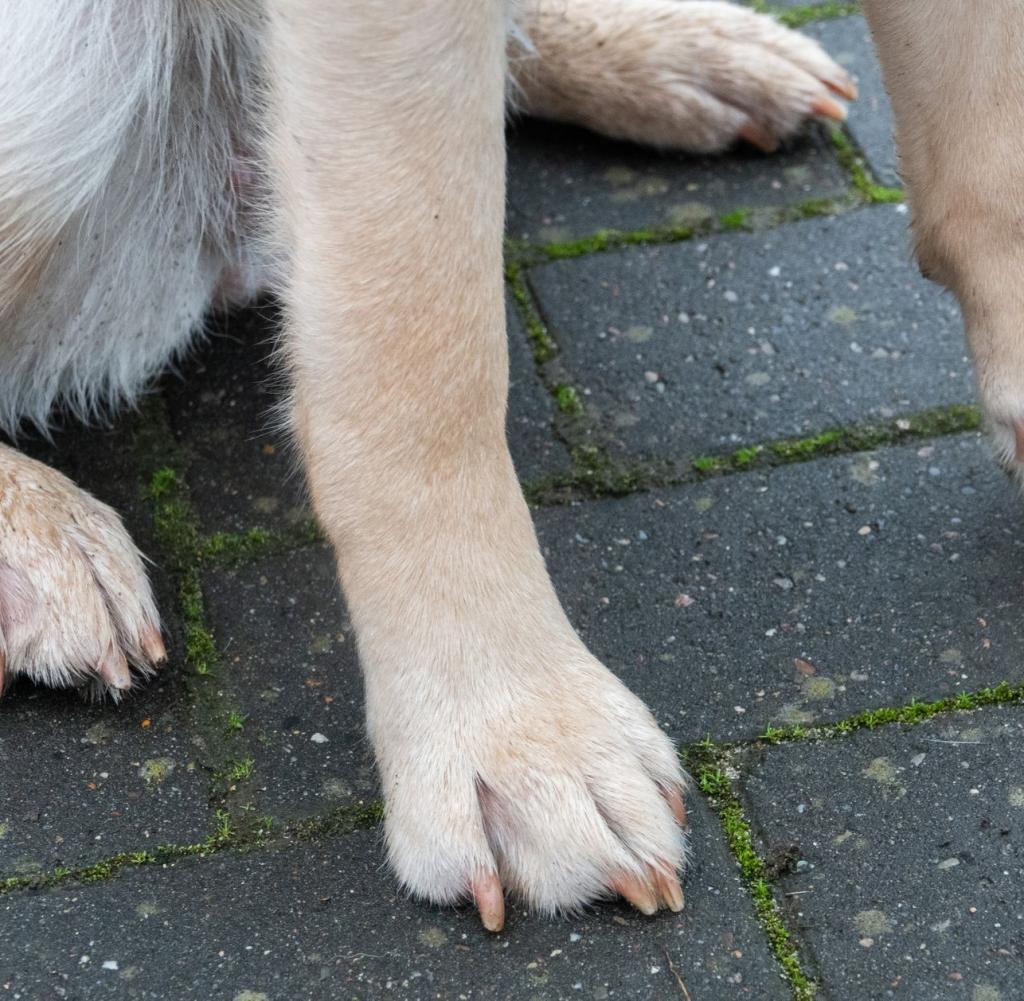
x: 156, y: 158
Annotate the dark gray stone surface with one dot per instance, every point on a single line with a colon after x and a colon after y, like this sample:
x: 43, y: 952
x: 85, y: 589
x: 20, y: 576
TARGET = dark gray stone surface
x: 705, y: 345
x: 848, y: 41
x: 907, y: 872
x: 82, y: 783
x: 325, y: 921
x: 243, y: 471
x: 895, y: 575
x: 288, y: 652
x: 564, y: 182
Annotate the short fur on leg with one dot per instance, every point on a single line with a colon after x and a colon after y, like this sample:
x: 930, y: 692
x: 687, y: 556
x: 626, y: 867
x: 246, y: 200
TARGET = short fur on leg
x: 506, y: 751
x: 957, y: 89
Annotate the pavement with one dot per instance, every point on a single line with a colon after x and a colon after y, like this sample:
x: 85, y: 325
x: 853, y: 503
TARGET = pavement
x: 748, y: 433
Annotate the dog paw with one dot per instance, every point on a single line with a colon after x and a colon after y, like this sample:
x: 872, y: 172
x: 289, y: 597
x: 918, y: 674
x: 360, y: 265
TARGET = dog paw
x: 556, y: 786
x: 693, y: 76
x: 76, y: 608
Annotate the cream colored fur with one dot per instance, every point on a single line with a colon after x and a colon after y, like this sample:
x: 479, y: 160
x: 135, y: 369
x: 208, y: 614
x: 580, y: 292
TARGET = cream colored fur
x: 955, y: 83
x: 509, y: 757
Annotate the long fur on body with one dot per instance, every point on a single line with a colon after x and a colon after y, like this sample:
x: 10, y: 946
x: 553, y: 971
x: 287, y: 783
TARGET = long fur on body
x: 123, y: 132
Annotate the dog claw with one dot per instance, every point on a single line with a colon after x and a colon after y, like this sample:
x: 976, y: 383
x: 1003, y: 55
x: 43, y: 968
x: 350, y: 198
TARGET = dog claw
x: 825, y: 107
x: 758, y: 136
x: 637, y: 892
x: 845, y: 88
x: 153, y: 645
x: 113, y: 669
x: 490, y: 901
x: 668, y: 887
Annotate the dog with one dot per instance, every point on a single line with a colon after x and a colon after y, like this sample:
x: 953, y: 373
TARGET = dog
x: 157, y: 159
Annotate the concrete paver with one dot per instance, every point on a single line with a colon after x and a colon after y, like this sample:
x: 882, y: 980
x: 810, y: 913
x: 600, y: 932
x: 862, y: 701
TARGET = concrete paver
x: 902, y: 861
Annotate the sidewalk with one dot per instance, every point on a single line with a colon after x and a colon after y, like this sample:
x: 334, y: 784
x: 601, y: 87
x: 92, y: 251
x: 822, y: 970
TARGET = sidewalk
x: 747, y: 429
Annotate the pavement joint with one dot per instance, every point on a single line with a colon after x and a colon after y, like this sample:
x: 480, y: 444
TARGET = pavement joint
x: 713, y: 780
x: 864, y: 190
x: 225, y: 837
x: 852, y: 160
x: 220, y: 725
x: 797, y: 17
x: 595, y: 474
x: 715, y: 773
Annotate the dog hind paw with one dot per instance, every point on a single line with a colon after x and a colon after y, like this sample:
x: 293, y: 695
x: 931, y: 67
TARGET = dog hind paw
x: 76, y: 608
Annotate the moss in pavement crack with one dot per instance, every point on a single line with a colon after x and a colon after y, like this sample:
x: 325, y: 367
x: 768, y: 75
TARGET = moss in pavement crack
x: 707, y: 764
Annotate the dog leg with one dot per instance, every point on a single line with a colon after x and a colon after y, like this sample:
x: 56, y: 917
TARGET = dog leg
x: 693, y: 76
x: 75, y: 605
x: 957, y: 86
x: 509, y: 757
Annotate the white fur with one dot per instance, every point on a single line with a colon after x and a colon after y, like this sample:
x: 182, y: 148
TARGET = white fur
x: 119, y: 125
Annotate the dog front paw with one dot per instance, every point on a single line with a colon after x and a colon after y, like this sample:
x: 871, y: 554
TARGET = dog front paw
x: 76, y: 608
x: 547, y: 779
x: 692, y: 76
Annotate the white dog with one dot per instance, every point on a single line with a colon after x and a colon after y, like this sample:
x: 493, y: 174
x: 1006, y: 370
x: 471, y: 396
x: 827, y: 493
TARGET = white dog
x: 156, y: 157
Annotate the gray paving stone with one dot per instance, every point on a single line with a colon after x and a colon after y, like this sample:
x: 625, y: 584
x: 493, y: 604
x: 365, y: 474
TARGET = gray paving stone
x: 243, y: 471
x: 289, y: 653
x: 744, y: 337
x: 906, y: 870
x: 848, y: 41
x: 895, y: 575
x: 83, y: 782
x: 325, y: 921
x: 564, y: 182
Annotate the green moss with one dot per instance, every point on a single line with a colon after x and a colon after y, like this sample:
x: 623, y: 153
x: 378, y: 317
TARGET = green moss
x: 98, y: 872
x: 595, y: 474
x: 814, y: 208
x: 239, y: 771
x: 155, y: 771
x: 853, y: 163
x: 232, y: 544
x: 709, y: 464
x: 568, y: 400
x: 737, y: 219
x: 235, y: 720
x: 233, y: 547
x: 907, y: 715
x: 956, y: 419
x: 797, y: 17
x: 744, y: 457
x: 881, y: 195
x: 343, y: 820
x: 713, y: 781
x: 540, y: 340
x: 612, y: 239
x: 799, y: 448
